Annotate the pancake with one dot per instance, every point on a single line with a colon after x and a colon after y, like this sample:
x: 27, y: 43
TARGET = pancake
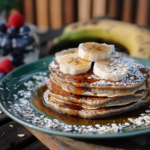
x: 89, y: 80
x: 79, y: 111
x: 121, y: 101
x: 92, y: 102
x: 96, y: 91
x: 149, y: 75
x: 89, y: 96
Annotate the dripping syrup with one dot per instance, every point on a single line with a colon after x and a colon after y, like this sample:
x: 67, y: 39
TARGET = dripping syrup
x: 120, y: 118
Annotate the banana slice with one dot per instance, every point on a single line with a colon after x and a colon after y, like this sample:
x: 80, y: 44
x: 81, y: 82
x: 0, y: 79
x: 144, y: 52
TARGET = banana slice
x: 72, y: 64
x: 92, y: 51
x: 64, y: 53
x: 113, y: 70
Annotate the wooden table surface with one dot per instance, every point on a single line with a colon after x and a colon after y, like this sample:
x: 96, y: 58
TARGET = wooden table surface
x: 33, y: 140
x: 9, y: 139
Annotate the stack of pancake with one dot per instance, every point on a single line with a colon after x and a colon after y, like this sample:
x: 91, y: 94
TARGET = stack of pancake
x: 94, y: 81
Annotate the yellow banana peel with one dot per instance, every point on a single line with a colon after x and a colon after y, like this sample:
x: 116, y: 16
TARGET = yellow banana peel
x: 134, y: 38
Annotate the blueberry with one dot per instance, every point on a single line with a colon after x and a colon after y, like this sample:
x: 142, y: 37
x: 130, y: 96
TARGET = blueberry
x: 5, y: 45
x: 17, y: 56
x: 2, y: 28
x: 3, y: 52
x: 2, y: 74
x: 12, y: 31
x: 17, y: 61
x: 24, y: 29
x: 6, y: 42
x: 31, y: 39
x: 23, y: 42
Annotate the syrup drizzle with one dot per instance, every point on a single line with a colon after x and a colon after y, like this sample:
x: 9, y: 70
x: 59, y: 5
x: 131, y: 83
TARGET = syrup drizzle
x: 121, y: 118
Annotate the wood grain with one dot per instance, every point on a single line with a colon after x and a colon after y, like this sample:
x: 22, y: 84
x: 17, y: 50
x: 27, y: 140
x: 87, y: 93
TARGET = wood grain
x: 28, y: 11
x: 3, y: 118
x: 36, y: 146
x: 54, y: 142
x: 55, y: 11
x: 142, y: 14
x: 98, y: 8
x: 84, y: 9
x: 112, y: 8
x: 69, y: 11
x: 9, y: 136
x: 127, y: 11
x: 42, y: 15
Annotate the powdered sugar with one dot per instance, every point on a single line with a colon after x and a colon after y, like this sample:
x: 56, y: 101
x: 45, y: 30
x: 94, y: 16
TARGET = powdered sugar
x: 133, y: 77
x: 53, y: 65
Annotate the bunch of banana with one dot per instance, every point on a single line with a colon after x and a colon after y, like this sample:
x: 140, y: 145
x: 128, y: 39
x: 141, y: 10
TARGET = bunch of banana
x: 135, y: 39
x: 107, y: 62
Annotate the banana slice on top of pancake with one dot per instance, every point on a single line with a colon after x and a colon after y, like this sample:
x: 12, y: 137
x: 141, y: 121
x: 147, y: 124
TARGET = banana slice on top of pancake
x: 64, y: 53
x: 111, y: 69
x: 72, y: 64
x: 92, y: 51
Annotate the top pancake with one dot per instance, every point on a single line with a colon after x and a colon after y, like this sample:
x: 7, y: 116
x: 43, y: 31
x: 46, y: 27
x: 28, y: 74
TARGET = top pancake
x: 89, y: 79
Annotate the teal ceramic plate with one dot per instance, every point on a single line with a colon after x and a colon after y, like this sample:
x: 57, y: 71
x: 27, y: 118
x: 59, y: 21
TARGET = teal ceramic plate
x: 16, y: 92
